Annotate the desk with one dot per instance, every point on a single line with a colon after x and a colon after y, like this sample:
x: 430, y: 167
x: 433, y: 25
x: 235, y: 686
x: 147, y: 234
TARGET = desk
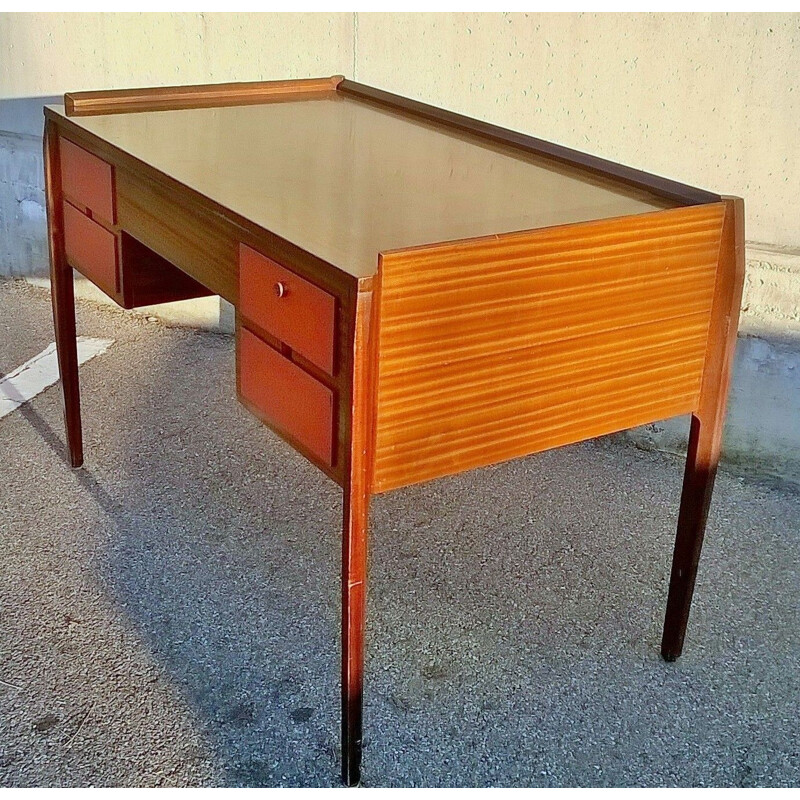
x: 417, y: 293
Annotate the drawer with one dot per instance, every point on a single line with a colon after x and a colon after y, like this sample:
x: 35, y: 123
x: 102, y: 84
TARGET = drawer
x: 287, y: 306
x: 91, y: 249
x: 87, y: 179
x: 286, y: 396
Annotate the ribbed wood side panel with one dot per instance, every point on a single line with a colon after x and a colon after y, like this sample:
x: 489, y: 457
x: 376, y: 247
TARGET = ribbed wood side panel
x: 496, y: 348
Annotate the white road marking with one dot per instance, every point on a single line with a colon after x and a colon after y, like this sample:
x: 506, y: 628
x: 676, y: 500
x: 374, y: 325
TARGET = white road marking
x: 41, y: 371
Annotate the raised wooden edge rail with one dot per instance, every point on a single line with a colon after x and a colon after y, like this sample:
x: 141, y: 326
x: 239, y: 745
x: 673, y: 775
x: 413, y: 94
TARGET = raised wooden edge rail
x: 662, y: 187
x: 214, y: 95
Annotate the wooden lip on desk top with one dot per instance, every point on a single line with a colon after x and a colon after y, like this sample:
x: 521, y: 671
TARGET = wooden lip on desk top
x: 660, y: 186
x: 357, y: 257
x: 170, y: 98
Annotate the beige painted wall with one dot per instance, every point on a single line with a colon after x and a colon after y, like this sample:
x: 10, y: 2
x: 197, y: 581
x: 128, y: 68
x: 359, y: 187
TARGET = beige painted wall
x: 46, y: 54
x: 712, y: 100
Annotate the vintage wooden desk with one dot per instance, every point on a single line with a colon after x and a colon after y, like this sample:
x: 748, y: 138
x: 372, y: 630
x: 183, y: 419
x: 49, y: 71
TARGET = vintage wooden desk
x: 417, y: 293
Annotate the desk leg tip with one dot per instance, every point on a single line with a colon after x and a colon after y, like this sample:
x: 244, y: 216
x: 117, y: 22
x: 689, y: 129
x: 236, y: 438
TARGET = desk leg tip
x: 351, y: 777
x: 351, y: 768
x: 669, y: 657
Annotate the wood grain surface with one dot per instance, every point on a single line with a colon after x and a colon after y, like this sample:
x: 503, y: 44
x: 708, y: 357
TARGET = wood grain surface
x: 200, y: 243
x: 495, y: 348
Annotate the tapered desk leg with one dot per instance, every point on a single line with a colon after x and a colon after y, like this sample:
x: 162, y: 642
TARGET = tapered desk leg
x: 63, y: 298
x: 354, y: 542
x: 705, y: 437
x: 354, y: 583
x: 698, y: 484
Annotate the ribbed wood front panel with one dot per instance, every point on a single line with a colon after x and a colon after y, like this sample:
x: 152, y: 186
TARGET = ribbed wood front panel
x: 495, y: 348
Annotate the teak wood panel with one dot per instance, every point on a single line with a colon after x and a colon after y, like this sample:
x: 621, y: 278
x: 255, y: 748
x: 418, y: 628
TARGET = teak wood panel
x: 496, y: 348
x: 285, y: 396
x: 91, y: 249
x: 88, y: 180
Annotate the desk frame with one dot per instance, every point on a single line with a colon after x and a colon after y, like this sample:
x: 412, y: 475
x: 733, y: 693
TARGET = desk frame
x: 153, y: 206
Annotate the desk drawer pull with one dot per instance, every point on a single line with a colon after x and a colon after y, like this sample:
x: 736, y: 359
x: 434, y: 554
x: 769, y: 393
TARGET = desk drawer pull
x: 288, y: 307
x: 87, y: 180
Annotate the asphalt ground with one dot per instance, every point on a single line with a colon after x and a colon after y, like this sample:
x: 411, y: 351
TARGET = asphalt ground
x: 169, y: 612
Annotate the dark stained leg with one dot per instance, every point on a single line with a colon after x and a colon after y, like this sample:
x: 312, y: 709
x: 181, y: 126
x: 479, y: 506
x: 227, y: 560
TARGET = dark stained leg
x: 354, y: 544
x: 705, y: 437
x: 62, y: 293
x: 354, y: 584
x: 698, y: 484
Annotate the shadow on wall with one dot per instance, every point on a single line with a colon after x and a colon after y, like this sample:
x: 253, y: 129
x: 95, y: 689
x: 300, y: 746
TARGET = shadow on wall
x: 23, y: 231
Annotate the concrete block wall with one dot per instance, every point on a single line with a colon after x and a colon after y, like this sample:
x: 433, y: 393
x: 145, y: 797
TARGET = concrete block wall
x: 709, y: 99
x: 23, y: 241
x: 23, y: 247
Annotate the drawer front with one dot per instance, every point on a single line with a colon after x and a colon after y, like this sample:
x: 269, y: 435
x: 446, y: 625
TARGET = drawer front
x: 287, y: 306
x: 88, y: 180
x: 288, y: 398
x: 91, y: 249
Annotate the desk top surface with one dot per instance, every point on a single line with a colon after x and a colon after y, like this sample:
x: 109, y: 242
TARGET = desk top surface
x: 346, y: 180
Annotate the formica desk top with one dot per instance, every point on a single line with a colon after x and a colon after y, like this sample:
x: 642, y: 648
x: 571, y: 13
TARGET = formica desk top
x: 346, y: 180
